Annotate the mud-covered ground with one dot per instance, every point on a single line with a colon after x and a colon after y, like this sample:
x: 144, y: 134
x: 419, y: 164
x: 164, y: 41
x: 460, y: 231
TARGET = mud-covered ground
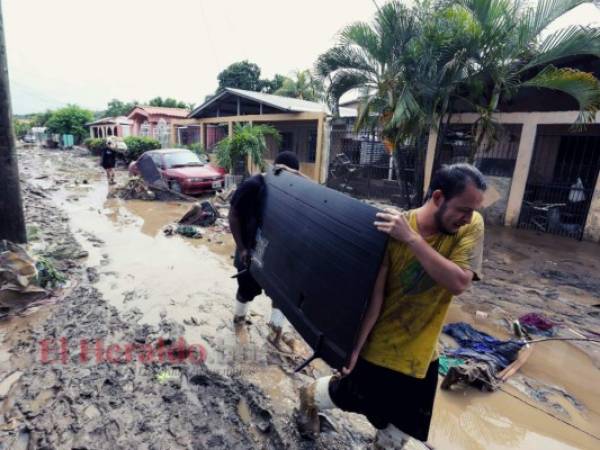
x: 129, y: 284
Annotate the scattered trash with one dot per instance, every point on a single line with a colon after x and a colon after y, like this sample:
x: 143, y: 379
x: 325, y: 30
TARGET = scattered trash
x: 190, y: 231
x: 484, y: 356
x: 18, y: 277
x: 536, y: 323
x: 478, y: 374
x: 481, y: 315
x: 226, y: 194
x: 135, y: 189
x: 203, y: 215
x: 446, y: 362
x: 47, y: 275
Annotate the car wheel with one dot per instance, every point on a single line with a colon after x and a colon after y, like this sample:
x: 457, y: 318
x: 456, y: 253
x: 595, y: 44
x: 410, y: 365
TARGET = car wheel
x: 175, y: 186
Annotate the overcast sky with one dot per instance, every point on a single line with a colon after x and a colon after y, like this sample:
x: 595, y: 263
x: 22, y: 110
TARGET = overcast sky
x: 88, y: 52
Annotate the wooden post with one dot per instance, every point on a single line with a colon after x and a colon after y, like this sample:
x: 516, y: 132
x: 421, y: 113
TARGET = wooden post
x: 12, y: 220
x: 202, y: 137
x: 319, y: 155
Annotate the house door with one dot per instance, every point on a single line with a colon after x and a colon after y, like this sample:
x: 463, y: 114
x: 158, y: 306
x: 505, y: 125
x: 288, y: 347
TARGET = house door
x: 561, y: 180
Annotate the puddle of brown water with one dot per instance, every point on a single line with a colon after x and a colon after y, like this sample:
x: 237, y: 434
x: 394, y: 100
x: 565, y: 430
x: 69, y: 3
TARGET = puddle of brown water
x: 175, y: 277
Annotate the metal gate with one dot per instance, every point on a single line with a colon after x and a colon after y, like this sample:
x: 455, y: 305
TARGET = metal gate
x: 360, y: 166
x: 497, y: 160
x: 561, y: 181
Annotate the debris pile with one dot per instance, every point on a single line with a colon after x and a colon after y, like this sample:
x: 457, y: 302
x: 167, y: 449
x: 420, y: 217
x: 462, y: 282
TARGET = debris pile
x: 135, y: 189
x: 18, y: 278
x: 483, y: 357
x: 201, y: 216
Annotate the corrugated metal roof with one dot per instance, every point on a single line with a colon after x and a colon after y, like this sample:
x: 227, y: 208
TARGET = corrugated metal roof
x: 162, y: 111
x: 111, y: 120
x: 276, y: 101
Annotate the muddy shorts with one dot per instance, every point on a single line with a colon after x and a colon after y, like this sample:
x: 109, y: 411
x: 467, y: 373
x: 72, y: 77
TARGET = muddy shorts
x: 248, y: 288
x: 385, y: 397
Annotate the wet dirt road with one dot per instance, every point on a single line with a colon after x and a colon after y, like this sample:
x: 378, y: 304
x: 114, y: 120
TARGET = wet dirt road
x: 142, y: 272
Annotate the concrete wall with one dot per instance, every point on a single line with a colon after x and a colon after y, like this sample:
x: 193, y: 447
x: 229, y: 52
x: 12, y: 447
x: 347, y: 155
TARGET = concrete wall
x: 523, y: 166
x: 301, y: 132
x: 592, y: 226
x: 496, y: 199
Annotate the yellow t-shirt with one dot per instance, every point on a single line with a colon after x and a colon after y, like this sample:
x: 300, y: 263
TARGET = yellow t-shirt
x: 406, y: 333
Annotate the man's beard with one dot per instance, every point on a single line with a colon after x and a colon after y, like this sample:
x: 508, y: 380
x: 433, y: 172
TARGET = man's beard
x: 439, y: 222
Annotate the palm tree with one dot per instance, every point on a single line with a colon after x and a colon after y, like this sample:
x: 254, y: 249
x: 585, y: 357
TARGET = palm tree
x: 516, y: 52
x: 412, y: 65
x: 246, y: 140
x: 406, y: 64
x: 304, y: 87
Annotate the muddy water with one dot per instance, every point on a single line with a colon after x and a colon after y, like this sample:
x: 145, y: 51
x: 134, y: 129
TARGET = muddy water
x: 184, y: 279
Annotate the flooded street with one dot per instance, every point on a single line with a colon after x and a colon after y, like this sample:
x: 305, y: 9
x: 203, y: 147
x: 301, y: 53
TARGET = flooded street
x: 152, y: 279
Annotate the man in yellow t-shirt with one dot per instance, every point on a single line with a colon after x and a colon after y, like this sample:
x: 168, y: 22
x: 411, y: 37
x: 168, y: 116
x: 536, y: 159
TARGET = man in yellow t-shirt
x: 435, y: 252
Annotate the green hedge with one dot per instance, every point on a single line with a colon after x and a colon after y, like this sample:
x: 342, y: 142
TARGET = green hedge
x: 137, y: 145
x: 197, y: 148
x: 95, y: 145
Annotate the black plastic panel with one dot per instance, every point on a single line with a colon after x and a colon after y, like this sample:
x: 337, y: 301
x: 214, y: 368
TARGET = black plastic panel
x: 317, y: 257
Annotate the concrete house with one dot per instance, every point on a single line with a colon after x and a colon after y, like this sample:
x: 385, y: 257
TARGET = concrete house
x: 157, y: 122
x: 110, y: 126
x: 542, y: 171
x: 304, y: 126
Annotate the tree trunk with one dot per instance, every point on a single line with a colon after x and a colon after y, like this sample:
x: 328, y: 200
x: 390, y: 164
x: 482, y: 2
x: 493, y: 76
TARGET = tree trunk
x: 12, y: 221
x: 484, y: 131
x: 400, y: 168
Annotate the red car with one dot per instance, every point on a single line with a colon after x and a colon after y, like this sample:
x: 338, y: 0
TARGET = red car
x: 183, y: 171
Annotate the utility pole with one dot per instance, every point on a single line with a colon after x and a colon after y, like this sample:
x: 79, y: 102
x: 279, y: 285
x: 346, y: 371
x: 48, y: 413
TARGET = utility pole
x: 12, y: 221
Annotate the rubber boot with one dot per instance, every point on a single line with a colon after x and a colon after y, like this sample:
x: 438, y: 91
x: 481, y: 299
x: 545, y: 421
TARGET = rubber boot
x: 307, y: 417
x: 314, y: 399
x: 239, y: 315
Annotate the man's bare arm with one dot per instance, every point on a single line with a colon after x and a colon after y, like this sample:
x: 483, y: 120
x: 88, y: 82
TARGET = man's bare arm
x: 371, y: 316
x: 443, y: 271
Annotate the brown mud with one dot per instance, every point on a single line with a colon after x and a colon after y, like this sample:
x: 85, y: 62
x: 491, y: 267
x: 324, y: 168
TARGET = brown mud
x: 135, y: 285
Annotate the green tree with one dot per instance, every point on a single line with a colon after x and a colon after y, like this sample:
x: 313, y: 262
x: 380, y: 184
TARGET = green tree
x: 514, y: 52
x: 22, y: 127
x: 168, y: 103
x: 40, y: 119
x: 303, y: 86
x: 117, y: 108
x: 412, y: 65
x: 246, y: 140
x: 272, y: 85
x: 70, y: 120
x: 241, y: 75
x: 406, y: 64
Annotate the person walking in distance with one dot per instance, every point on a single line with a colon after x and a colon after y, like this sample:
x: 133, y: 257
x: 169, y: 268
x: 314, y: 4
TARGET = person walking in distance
x: 109, y: 160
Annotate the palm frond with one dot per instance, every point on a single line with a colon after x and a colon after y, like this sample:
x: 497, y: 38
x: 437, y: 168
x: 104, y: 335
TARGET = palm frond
x: 341, y: 57
x: 342, y: 82
x: 570, y: 41
x: 582, y: 86
x: 535, y: 19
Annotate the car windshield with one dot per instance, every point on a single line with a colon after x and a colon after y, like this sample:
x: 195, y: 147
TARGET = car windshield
x: 181, y: 159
